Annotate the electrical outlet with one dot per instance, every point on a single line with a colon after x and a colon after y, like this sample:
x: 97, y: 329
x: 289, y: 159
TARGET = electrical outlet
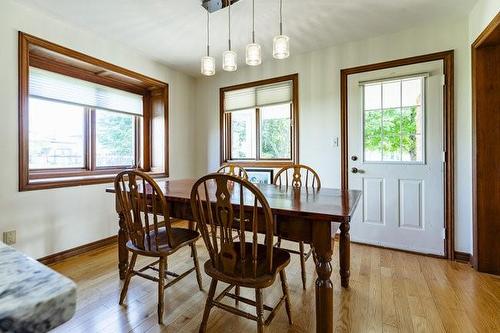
x: 9, y: 237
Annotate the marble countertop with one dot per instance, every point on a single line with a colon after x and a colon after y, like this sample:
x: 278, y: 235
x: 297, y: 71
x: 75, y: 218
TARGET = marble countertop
x: 33, y: 297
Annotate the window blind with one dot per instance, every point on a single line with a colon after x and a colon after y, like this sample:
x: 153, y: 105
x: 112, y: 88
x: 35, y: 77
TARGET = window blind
x: 53, y: 86
x: 259, y: 96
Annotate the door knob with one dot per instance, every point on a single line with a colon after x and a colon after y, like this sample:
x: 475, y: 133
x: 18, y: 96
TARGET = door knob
x: 355, y: 170
x: 354, y: 158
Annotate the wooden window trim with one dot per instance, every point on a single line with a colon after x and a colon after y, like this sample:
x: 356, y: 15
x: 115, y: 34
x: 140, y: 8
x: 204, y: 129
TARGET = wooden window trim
x: 225, y: 121
x: 42, y: 54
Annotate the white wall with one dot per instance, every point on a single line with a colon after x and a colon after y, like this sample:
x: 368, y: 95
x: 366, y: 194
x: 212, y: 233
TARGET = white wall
x: 319, y: 77
x: 481, y: 15
x: 50, y: 221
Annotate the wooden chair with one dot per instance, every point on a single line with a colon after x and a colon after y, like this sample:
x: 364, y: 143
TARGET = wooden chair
x: 234, y: 203
x: 143, y: 206
x: 297, y: 176
x: 233, y: 170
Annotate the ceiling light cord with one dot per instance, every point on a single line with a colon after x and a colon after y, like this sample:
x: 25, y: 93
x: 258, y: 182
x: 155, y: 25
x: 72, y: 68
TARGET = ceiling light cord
x: 229, y: 24
x: 253, y: 21
x: 208, y: 33
x: 281, y: 17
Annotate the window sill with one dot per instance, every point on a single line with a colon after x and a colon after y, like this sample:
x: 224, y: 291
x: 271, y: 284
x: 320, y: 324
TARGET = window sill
x: 52, y: 182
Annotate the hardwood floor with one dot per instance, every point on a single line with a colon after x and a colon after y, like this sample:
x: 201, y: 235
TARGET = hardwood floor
x: 390, y: 291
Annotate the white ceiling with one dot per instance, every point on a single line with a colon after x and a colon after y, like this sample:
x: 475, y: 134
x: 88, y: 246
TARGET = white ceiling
x: 174, y: 31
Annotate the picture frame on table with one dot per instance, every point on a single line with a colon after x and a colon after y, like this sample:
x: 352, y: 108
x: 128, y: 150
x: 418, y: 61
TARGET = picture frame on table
x: 260, y: 176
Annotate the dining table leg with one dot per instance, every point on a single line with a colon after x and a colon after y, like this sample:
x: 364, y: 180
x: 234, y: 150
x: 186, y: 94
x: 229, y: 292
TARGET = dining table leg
x: 122, y: 247
x: 345, y: 254
x: 323, y: 249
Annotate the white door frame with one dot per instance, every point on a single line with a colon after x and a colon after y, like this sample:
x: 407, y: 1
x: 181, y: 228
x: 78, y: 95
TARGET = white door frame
x: 448, y: 133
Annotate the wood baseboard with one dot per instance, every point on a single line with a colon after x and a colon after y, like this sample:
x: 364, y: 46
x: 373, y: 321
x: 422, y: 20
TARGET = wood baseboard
x: 56, y: 257
x: 463, y: 257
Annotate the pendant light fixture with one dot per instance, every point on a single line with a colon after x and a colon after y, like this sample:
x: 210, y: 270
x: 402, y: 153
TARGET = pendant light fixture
x: 208, y: 62
x: 229, y: 57
x: 253, y: 51
x: 281, y: 43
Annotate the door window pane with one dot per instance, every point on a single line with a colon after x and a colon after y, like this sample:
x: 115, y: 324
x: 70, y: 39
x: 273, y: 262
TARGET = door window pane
x: 56, y: 135
x: 275, y: 132
x: 243, y: 134
x: 373, y: 123
x: 373, y: 96
x: 394, y: 133
x: 115, y: 139
x: 411, y: 92
x: 391, y: 94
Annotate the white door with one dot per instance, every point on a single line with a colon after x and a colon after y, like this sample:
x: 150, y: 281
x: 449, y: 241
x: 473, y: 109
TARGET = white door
x: 396, y: 157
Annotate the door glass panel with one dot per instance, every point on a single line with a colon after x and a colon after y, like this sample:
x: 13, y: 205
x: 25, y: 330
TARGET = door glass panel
x: 391, y: 94
x: 115, y: 139
x: 56, y: 135
x: 373, y: 123
x: 243, y: 134
x: 412, y: 147
x: 391, y: 148
x: 395, y: 133
x: 373, y: 96
x: 411, y: 92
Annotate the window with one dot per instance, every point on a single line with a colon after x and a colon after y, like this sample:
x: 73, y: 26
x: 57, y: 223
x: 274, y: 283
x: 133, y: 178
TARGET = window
x: 82, y: 120
x: 259, y: 124
x: 393, y: 125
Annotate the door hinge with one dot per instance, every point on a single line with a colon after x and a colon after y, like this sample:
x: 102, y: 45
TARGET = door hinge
x: 443, y: 79
x: 444, y: 233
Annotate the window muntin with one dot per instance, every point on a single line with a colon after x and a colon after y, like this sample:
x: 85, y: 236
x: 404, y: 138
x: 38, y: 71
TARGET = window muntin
x: 56, y: 135
x: 393, y: 120
x: 259, y: 122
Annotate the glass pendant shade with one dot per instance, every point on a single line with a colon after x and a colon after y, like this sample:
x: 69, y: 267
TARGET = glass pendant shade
x: 208, y: 66
x: 253, y: 54
x: 229, y: 61
x: 281, y: 47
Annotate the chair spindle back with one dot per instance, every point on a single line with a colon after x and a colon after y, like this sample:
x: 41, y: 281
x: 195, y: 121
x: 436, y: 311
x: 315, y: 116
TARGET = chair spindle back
x: 232, y: 204
x: 233, y: 170
x: 144, y: 207
x: 297, y: 175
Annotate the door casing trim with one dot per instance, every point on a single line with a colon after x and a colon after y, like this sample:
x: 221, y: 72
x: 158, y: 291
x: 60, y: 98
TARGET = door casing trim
x: 448, y: 131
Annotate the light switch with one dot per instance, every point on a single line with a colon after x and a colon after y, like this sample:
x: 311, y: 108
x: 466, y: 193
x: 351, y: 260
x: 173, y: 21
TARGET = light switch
x: 335, y: 142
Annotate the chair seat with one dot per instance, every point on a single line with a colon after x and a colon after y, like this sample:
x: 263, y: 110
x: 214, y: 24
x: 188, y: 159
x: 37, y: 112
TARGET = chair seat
x: 180, y: 237
x: 244, y: 274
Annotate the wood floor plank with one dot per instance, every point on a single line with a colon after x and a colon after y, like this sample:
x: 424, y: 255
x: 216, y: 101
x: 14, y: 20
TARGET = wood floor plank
x: 390, y: 292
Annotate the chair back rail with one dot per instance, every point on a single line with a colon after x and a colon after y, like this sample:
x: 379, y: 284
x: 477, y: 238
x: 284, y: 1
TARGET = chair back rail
x: 233, y: 170
x: 222, y: 204
x: 297, y: 175
x: 144, y: 207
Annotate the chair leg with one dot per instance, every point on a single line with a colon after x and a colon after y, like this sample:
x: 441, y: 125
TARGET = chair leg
x: 237, y: 293
x: 284, y: 287
x: 208, y: 305
x: 196, y: 265
x: 260, y: 310
x: 161, y: 289
x: 302, y: 264
x: 128, y: 277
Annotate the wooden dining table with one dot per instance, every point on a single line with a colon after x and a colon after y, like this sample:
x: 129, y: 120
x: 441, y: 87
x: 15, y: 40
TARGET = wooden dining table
x: 309, y: 215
